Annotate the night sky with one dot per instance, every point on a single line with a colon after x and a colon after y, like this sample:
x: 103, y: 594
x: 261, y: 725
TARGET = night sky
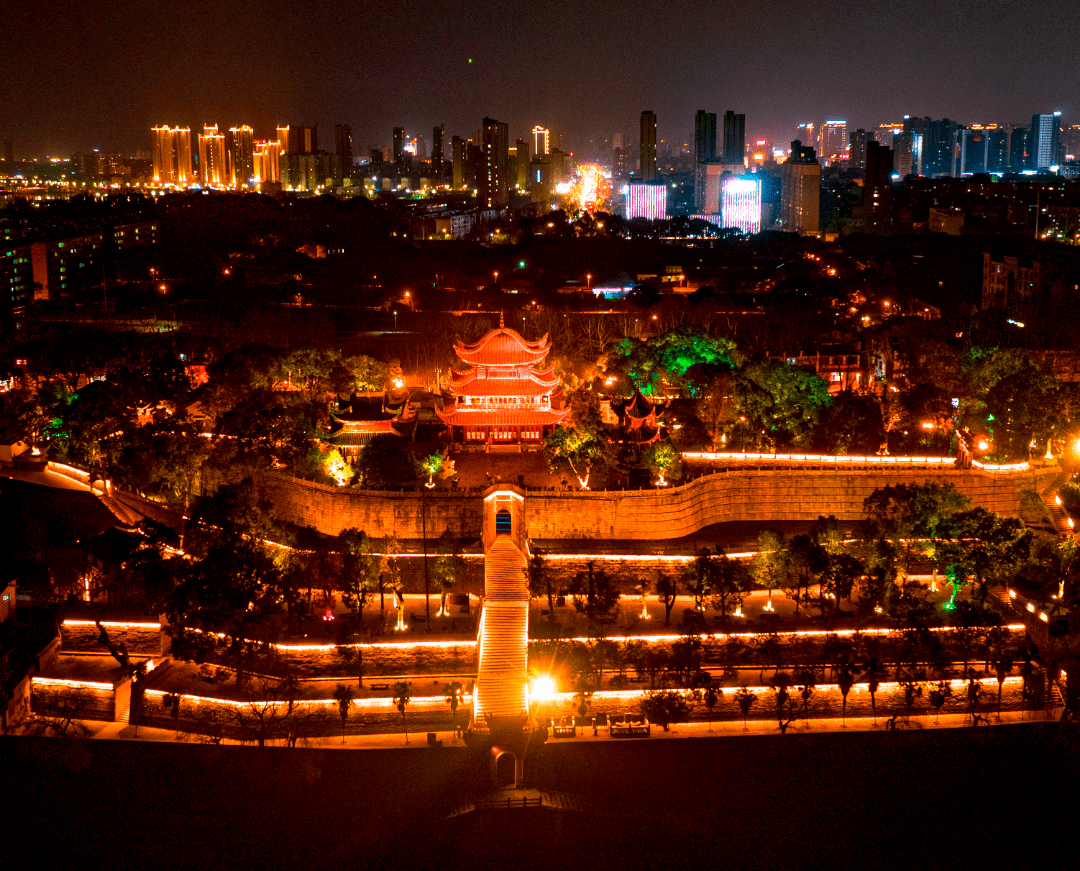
x: 80, y: 75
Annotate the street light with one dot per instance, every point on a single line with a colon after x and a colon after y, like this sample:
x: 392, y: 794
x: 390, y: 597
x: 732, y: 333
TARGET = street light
x: 395, y: 319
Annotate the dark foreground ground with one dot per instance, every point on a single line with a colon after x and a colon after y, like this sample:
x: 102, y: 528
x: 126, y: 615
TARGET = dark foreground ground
x: 991, y: 798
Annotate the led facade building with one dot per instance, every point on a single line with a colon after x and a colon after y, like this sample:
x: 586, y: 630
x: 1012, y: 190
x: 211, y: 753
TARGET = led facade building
x: 646, y: 201
x: 213, y: 167
x: 741, y: 203
x: 171, y: 155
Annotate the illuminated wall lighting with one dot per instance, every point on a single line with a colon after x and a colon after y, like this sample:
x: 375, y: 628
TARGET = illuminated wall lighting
x: 646, y: 201
x: 740, y: 203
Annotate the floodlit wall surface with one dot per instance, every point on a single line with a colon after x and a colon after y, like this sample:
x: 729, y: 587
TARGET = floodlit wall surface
x: 754, y: 494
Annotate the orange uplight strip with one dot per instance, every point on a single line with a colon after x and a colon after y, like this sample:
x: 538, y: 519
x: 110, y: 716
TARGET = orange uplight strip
x: 115, y: 624
x: 381, y: 702
x: 822, y: 458
x: 66, y: 682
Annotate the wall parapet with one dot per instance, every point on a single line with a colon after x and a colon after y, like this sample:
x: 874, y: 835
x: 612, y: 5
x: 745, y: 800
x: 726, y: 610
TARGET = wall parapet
x: 733, y: 494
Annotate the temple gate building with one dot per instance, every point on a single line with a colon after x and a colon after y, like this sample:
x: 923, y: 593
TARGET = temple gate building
x: 507, y: 397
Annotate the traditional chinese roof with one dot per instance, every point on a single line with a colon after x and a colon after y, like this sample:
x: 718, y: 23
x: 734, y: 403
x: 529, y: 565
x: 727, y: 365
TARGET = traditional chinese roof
x: 525, y: 382
x: 503, y: 347
x: 456, y: 416
x: 640, y: 407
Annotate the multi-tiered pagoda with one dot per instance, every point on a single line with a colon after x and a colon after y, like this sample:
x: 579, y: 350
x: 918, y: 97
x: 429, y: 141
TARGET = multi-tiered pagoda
x: 507, y: 396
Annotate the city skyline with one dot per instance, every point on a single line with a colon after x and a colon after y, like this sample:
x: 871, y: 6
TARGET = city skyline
x: 527, y: 66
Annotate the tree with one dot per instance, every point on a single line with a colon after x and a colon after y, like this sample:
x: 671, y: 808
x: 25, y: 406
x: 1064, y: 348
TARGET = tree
x: 745, y: 699
x: 402, y: 697
x: 700, y: 575
x: 541, y: 582
x: 595, y: 596
x: 667, y: 588
x: 780, y: 403
x: 453, y: 693
x: 769, y: 566
x: 583, y: 443
x: 664, y: 461
x: 712, y: 696
x: 360, y: 570
x: 448, y: 570
x: 650, y: 363
x: 808, y: 559
x: 991, y: 546
x: 387, y: 463
x: 665, y: 707
x: 845, y: 679
x: 343, y: 695
x: 850, y: 424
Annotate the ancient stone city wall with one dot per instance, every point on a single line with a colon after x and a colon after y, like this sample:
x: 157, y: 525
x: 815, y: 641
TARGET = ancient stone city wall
x: 732, y: 495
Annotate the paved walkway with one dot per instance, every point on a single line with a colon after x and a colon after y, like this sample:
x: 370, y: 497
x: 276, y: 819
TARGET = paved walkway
x: 418, y: 740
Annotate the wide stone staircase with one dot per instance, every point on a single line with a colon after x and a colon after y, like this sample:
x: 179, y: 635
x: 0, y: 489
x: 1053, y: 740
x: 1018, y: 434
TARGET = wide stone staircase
x: 501, y: 683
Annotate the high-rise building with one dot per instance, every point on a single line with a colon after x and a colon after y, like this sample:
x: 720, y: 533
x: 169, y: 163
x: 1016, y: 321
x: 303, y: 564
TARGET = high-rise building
x: 741, y: 203
x: 213, y: 165
x: 857, y: 140
x: 399, y: 147
x: 704, y: 136
x: 171, y: 155
x: 266, y: 162
x: 241, y: 146
x: 800, y: 194
x: 980, y: 149
x: 939, y: 150
x: 832, y: 141
x: 704, y: 152
x: 620, y: 164
x: 1044, y: 138
x: 541, y: 141
x: 437, y: 155
x: 521, y: 166
x: 459, y: 155
x: 1070, y: 142
x: 807, y: 132
x: 343, y: 149
x: 647, y: 146
x: 734, y: 137
x: 907, y: 153
x: 646, y: 201
x: 877, y: 180
x: 493, y: 190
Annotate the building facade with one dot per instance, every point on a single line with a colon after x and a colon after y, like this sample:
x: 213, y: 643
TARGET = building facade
x: 800, y: 195
x: 647, y: 146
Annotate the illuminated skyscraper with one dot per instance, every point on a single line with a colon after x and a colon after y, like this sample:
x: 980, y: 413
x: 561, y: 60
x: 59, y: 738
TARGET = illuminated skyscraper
x: 493, y: 179
x: 213, y: 167
x: 734, y: 137
x: 800, y: 196
x: 647, y: 147
x: 741, y: 203
x: 541, y: 141
x: 857, y: 140
x: 266, y: 161
x: 171, y: 155
x: 646, y: 201
x: 1044, y: 139
x: 241, y: 156
x: 832, y: 140
x: 806, y: 133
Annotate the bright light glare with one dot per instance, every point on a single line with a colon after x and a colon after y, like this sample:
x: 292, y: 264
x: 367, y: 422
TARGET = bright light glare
x: 983, y: 444
x: 543, y: 689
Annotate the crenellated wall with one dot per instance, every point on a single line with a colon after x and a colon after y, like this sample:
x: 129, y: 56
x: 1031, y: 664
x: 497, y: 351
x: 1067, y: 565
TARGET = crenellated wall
x: 737, y: 494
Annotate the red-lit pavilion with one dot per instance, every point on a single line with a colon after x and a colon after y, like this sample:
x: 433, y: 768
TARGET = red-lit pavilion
x: 506, y: 397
